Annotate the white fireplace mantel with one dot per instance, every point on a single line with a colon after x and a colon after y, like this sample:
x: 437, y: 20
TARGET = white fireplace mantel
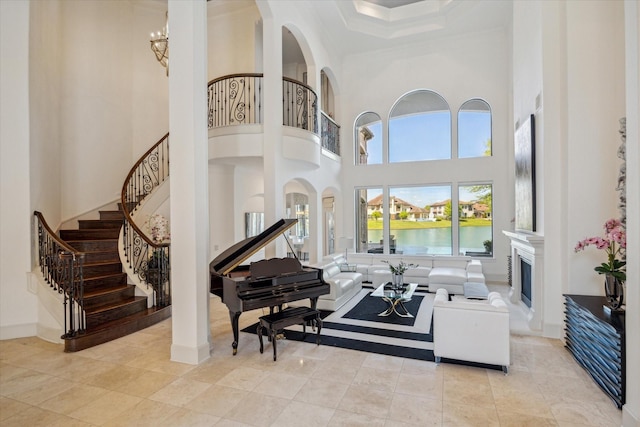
x: 528, y: 247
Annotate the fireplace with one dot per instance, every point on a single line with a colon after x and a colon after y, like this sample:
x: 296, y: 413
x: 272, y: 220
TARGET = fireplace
x: 527, y: 262
x: 525, y: 280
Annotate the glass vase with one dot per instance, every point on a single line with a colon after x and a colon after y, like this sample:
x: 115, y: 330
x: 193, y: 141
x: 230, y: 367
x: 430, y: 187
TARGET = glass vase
x: 614, y: 291
x: 397, y: 281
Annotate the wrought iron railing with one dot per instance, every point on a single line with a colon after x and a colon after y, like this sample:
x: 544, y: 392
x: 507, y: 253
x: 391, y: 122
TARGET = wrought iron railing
x: 61, y: 267
x: 299, y: 105
x: 149, y: 260
x: 330, y: 133
x: 235, y: 99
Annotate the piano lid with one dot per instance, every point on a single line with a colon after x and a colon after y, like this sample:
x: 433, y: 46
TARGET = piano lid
x: 241, y: 251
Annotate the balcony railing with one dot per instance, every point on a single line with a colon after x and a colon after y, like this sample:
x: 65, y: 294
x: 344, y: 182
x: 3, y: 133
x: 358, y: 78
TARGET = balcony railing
x: 299, y: 105
x: 236, y: 99
x: 330, y: 134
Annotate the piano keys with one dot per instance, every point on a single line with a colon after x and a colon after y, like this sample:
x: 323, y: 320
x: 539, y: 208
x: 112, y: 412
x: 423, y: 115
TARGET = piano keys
x: 266, y: 283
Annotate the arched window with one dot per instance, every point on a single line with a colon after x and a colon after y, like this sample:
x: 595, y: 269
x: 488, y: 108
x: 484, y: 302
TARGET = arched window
x: 420, y: 128
x: 430, y: 213
x: 368, y: 137
x: 474, y: 129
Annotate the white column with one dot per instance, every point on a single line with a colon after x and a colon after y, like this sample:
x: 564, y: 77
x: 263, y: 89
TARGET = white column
x: 18, y: 307
x: 631, y: 409
x: 189, y: 180
x: 272, y: 129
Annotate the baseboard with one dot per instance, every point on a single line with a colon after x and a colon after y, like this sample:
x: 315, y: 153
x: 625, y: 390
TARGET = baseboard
x: 553, y: 330
x: 18, y: 331
x: 190, y: 355
x: 49, y: 334
x: 629, y: 419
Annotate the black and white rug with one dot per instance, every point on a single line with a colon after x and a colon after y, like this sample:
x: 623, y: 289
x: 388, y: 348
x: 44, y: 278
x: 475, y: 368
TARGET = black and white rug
x: 357, y: 326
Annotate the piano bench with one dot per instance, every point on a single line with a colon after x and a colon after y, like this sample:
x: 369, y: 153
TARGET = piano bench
x: 272, y: 323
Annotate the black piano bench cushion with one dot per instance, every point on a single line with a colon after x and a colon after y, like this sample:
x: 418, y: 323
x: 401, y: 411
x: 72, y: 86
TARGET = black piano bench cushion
x: 272, y: 323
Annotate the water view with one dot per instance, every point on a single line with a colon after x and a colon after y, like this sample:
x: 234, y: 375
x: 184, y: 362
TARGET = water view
x: 434, y: 241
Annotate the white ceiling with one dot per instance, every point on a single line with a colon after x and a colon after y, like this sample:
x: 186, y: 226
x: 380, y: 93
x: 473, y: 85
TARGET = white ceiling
x: 360, y: 26
x: 364, y: 25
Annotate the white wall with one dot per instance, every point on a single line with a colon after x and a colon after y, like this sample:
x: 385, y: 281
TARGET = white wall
x: 232, y: 39
x: 221, y: 202
x: 149, y: 82
x: 475, y: 65
x: 571, y: 55
x: 45, y: 52
x: 96, y: 113
x: 595, y: 103
x: 18, y: 307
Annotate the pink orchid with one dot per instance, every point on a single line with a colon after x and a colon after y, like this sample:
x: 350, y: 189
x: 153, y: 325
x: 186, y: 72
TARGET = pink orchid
x: 614, y: 244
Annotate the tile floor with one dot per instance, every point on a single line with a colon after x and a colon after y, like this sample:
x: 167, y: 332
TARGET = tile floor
x: 132, y: 382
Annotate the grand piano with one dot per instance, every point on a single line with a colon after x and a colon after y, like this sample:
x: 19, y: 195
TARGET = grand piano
x: 266, y: 283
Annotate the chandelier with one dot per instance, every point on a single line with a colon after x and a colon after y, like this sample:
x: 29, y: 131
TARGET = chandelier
x: 160, y: 45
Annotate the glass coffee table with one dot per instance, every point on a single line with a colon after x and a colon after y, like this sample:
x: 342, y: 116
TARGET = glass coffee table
x: 395, y: 298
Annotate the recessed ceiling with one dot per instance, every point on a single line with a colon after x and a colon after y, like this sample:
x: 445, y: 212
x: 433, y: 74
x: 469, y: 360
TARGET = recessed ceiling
x: 367, y: 25
x: 390, y: 4
x: 360, y: 26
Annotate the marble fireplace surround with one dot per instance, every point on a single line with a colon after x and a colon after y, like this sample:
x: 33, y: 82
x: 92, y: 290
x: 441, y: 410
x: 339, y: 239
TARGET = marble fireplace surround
x: 528, y: 247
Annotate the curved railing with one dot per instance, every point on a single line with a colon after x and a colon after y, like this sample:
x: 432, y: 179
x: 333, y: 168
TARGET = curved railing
x: 299, y: 105
x: 61, y: 267
x: 330, y: 134
x: 148, y: 259
x: 236, y: 99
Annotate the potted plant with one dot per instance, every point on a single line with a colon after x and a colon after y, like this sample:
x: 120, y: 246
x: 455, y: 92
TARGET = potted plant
x: 397, y: 272
x: 488, y: 246
x: 614, y: 244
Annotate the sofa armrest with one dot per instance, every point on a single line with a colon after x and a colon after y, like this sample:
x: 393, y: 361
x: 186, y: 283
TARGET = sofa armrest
x: 474, y: 266
x: 330, y: 270
x: 441, y: 296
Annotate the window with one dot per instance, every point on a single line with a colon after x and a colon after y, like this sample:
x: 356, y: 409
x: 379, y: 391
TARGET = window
x: 475, y: 232
x: 430, y: 214
x: 474, y: 129
x: 420, y: 220
x: 420, y: 128
x: 369, y: 139
x: 369, y: 220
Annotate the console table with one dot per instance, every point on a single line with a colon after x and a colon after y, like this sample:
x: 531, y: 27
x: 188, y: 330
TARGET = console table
x: 596, y: 340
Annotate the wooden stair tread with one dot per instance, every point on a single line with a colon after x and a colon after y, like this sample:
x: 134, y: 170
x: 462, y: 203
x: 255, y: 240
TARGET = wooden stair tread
x: 101, y: 262
x: 103, y: 308
x: 104, y: 291
x: 100, y: 224
x: 110, y: 306
x: 104, y: 276
x: 114, y: 329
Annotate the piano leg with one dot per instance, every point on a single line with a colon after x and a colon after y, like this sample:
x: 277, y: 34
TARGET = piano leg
x: 234, y: 316
x: 314, y: 302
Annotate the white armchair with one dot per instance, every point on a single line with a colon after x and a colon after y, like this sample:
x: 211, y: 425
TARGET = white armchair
x: 471, y: 330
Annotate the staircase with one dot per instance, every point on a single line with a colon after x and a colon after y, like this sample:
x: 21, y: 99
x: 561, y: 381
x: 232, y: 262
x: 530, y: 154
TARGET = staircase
x: 111, y: 308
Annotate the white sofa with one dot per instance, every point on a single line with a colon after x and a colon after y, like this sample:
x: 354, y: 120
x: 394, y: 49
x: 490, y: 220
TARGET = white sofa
x: 453, y: 275
x: 344, y: 284
x: 449, y: 273
x: 471, y: 330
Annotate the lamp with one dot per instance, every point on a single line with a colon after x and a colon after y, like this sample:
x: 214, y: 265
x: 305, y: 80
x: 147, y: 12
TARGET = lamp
x: 346, y: 243
x: 160, y: 45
